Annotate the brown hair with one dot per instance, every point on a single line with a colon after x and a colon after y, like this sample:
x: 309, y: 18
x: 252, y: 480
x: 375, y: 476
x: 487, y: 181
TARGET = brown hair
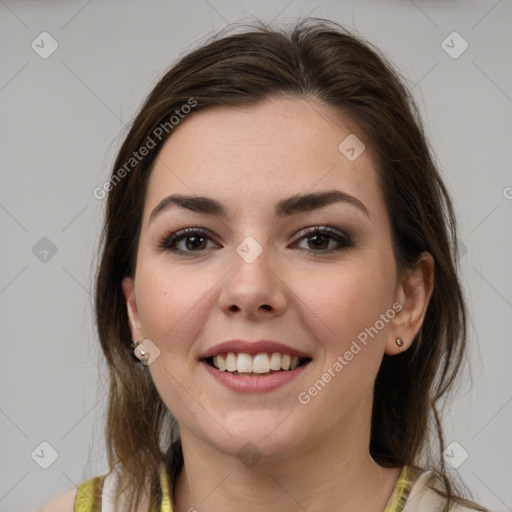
x: 321, y: 61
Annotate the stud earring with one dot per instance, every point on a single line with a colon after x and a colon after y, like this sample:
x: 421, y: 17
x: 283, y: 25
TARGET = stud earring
x: 400, y: 343
x: 140, y: 351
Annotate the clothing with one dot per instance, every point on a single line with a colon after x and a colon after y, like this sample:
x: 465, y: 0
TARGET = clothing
x: 97, y: 494
x: 409, y: 495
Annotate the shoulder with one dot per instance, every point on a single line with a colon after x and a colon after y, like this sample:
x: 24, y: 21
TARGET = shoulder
x: 87, y: 497
x: 64, y: 502
x: 424, y: 499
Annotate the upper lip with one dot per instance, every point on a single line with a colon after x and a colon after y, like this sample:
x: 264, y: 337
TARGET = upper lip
x: 252, y: 347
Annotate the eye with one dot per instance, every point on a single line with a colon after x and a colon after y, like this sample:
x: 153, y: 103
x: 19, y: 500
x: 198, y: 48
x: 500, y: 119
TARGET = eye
x: 190, y: 239
x: 318, y: 238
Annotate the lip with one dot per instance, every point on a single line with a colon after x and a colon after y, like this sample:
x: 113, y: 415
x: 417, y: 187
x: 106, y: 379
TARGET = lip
x: 252, y: 348
x: 248, y: 384
x: 253, y: 384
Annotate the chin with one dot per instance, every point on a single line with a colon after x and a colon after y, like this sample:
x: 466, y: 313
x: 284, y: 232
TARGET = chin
x: 257, y: 435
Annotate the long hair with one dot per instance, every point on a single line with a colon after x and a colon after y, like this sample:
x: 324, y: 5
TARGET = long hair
x: 320, y: 61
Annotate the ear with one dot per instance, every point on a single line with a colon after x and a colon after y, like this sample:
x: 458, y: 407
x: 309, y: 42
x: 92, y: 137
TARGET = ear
x: 131, y: 305
x: 413, y: 293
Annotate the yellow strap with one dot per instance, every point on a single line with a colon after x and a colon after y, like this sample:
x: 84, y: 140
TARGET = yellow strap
x: 406, y: 480
x: 88, y: 496
x: 164, y: 482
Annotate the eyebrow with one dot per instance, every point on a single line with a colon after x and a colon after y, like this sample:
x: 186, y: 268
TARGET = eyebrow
x: 290, y: 206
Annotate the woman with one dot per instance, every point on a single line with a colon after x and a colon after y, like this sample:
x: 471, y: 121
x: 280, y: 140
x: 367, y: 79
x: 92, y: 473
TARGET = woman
x: 277, y: 297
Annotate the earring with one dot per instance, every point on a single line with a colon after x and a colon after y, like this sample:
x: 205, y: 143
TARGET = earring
x: 140, y: 351
x: 400, y: 343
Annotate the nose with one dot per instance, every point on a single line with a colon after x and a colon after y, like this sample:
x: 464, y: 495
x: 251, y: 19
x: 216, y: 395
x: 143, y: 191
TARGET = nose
x: 253, y: 290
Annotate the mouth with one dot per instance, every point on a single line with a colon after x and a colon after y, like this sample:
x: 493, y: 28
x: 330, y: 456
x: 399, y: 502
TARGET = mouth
x: 255, y: 365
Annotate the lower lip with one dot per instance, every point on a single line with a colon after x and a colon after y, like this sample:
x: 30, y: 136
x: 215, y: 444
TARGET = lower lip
x: 248, y: 384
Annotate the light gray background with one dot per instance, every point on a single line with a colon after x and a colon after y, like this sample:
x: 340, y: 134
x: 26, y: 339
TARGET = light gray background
x: 61, y: 123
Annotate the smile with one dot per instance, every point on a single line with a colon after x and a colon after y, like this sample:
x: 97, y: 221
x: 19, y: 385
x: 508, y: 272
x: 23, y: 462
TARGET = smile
x: 260, y: 364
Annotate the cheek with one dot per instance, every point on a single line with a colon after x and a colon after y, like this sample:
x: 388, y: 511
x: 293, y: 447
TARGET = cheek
x: 347, y: 289
x: 170, y: 303
x: 347, y: 301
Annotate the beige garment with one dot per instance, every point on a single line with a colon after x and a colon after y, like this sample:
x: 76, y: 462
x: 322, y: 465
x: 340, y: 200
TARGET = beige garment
x: 423, y: 499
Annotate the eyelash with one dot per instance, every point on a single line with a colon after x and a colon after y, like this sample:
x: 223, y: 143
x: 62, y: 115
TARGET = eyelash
x: 168, y: 241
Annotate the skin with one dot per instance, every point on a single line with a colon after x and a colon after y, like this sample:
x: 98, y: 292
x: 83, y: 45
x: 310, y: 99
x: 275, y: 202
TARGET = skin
x: 316, y: 456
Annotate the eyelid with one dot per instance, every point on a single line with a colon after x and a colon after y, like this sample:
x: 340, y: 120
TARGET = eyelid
x: 168, y: 241
x: 340, y: 236
x: 324, y: 229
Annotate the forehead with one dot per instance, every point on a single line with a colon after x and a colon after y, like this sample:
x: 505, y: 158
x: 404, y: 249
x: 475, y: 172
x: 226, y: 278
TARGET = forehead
x: 265, y: 151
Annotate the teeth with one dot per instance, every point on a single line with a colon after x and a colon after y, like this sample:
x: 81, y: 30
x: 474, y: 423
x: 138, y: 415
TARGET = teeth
x: 260, y: 363
x: 219, y: 362
x: 275, y: 361
x: 231, y: 362
x: 244, y: 363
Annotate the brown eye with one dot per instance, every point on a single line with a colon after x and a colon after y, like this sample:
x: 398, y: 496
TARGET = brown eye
x: 186, y: 240
x: 320, y: 238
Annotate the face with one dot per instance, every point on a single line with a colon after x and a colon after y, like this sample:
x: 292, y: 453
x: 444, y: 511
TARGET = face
x: 260, y: 272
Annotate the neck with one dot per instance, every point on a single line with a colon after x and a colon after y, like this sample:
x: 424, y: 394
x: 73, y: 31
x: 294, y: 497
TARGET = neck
x: 337, y: 474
